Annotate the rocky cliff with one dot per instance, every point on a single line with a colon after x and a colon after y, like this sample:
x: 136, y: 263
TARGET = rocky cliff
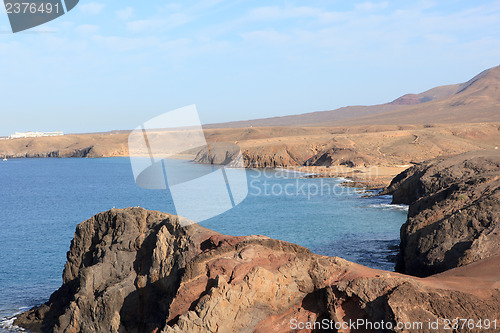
x: 355, y: 147
x: 134, y: 270
x: 75, y: 145
x: 454, y: 213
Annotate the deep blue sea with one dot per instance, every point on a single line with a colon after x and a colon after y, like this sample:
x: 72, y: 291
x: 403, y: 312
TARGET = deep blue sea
x: 42, y: 201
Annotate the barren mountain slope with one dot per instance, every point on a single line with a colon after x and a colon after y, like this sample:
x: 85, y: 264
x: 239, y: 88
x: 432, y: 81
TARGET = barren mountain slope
x: 477, y: 100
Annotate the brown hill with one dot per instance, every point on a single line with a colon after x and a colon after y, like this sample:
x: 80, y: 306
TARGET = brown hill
x: 429, y: 95
x: 477, y: 100
x: 309, y: 118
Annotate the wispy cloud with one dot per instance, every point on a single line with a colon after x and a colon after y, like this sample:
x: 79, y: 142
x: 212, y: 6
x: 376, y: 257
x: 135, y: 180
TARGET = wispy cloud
x: 155, y: 24
x: 369, y: 6
x: 145, y: 25
x: 125, y: 13
x: 87, y: 29
x: 121, y: 44
x: 266, y: 36
x: 91, y: 8
x: 288, y: 12
x: 293, y: 56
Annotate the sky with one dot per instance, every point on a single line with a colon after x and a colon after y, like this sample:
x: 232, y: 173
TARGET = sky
x: 112, y: 64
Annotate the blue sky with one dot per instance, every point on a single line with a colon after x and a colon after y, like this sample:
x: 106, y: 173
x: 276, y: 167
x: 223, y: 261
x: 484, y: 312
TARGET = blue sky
x: 114, y: 64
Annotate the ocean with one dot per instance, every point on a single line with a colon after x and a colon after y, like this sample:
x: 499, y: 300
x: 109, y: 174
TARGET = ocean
x: 42, y: 201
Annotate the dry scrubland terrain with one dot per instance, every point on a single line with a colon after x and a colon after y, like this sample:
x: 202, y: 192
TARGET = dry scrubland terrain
x: 440, y: 122
x: 389, y: 145
x: 375, y: 153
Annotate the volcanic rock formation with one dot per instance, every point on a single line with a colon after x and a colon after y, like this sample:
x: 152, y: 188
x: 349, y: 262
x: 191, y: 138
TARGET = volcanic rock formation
x: 133, y: 270
x: 454, y: 213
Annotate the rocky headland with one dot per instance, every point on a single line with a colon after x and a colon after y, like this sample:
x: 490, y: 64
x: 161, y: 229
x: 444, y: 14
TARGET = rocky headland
x: 74, y: 145
x: 133, y: 270
x: 454, y: 213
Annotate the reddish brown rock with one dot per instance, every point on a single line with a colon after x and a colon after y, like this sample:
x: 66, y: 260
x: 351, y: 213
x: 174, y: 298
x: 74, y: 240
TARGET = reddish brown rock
x: 134, y: 270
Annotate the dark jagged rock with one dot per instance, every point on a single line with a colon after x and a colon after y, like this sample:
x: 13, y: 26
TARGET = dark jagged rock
x: 259, y: 157
x: 133, y: 270
x: 454, y: 213
x: 333, y: 156
x: 218, y: 154
x: 283, y: 155
x: 63, y: 153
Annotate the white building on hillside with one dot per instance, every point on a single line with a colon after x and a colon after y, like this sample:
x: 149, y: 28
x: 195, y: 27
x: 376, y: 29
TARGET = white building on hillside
x: 19, y: 135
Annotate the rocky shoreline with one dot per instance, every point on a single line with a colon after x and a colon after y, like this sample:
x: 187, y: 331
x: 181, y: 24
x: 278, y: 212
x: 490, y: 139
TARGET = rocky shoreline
x: 454, y: 213
x: 133, y: 270
x: 351, y: 151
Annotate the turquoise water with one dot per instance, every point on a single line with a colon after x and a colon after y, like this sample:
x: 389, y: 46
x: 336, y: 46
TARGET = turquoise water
x: 42, y: 201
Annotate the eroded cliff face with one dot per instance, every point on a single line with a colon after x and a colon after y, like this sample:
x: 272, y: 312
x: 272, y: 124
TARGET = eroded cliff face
x: 454, y: 213
x: 133, y: 270
x: 73, y: 145
x: 285, y: 155
x: 258, y: 157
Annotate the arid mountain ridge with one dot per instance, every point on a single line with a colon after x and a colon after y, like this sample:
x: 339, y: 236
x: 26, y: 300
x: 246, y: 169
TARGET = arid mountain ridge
x: 477, y: 100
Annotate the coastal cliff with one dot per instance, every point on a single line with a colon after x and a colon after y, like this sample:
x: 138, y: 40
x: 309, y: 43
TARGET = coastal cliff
x: 454, y: 213
x: 356, y: 146
x: 134, y: 270
x: 73, y: 145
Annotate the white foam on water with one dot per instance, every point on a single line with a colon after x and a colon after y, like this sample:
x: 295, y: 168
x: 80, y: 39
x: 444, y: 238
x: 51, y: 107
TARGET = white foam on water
x: 293, y: 173
x: 7, y: 323
x: 390, y: 206
x: 344, y: 180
